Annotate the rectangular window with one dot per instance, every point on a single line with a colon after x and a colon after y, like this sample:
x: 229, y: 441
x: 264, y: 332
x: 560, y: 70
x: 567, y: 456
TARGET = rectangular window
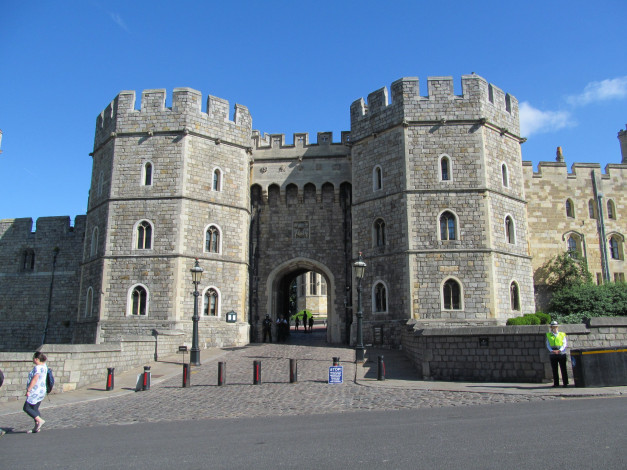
x: 599, y: 279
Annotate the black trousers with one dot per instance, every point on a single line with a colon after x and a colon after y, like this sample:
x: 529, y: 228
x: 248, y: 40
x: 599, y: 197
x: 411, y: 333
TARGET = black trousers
x: 561, y: 360
x: 32, y: 410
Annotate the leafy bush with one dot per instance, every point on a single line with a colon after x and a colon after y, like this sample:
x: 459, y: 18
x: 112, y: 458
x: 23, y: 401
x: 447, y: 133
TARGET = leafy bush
x: 545, y: 318
x: 527, y: 319
x: 578, y: 302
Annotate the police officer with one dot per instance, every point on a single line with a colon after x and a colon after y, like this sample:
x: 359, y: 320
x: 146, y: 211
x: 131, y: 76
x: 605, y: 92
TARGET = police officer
x: 267, y: 328
x: 556, y: 343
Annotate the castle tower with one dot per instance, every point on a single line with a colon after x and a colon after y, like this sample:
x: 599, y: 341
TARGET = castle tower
x: 167, y: 188
x: 439, y: 205
x: 622, y: 137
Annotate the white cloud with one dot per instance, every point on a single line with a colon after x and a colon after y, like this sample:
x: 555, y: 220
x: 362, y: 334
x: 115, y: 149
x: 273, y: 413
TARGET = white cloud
x: 535, y: 121
x: 117, y: 19
x: 614, y: 88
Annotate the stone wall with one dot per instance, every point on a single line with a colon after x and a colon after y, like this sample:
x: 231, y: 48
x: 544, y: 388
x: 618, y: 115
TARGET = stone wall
x: 549, y: 226
x: 44, y: 291
x: 76, y: 366
x: 500, y: 354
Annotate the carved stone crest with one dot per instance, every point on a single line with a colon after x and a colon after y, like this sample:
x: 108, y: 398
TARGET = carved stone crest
x: 301, y: 229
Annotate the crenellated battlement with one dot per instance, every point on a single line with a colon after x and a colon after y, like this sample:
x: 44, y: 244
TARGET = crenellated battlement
x: 44, y: 227
x: 185, y: 114
x: 578, y: 171
x: 300, y: 139
x: 479, y: 100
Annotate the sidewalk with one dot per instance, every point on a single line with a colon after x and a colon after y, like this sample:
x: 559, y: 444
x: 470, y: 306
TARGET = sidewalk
x: 124, y: 383
x: 400, y: 375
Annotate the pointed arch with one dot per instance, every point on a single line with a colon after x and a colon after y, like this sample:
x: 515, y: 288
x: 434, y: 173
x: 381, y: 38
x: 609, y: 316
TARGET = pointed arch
x: 143, y: 235
x: 147, y: 171
x: 448, y: 226
x: 212, y: 302
x: 138, y: 301
x: 452, y: 294
x: 379, y: 297
x: 213, y: 239
x: 377, y: 178
x: 445, y: 168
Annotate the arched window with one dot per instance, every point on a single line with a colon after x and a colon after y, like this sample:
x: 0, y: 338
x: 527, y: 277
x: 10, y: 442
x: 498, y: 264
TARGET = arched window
x: 570, y: 209
x: 616, y: 247
x: 514, y: 296
x: 446, y: 170
x: 303, y: 284
x: 378, y: 232
x: 510, y: 233
x: 211, y: 303
x: 138, y: 302
x: 93, y: 249
x: 592, y: 209
x: 448, y: 226
x: 611, y: 209
x: 380, y: 298
x: 575, y: 244
x: 28, y: 260
x: 147, y: 174
x: 451, y: 295
x: 313, y: 283
x: 212, y: 239
x: 377, y: 178
x: 89, y: 302
x: 144, y: 235
x: 505, y: 175
x: 216, y: 185
x: 274, y: 194
x: 323, y: 286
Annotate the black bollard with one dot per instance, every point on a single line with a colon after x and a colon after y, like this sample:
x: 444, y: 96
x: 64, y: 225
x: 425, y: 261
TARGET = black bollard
x: 381, y: 369
x: 293, y: 371
x: 256, y: 372
x: 110, y: 378
x: 336, y: 361
x: 185, y: 375
x: 221, y: 373
x: 146, y: 379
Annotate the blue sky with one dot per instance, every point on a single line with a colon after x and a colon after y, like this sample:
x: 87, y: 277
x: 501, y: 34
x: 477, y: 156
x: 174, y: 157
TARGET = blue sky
x: 297, y: 66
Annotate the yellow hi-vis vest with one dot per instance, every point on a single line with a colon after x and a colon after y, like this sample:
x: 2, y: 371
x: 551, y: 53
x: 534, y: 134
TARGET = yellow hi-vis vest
x: 556, y: 341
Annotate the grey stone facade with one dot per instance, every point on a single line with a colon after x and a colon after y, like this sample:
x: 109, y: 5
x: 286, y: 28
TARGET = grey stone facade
x: 431, y: 189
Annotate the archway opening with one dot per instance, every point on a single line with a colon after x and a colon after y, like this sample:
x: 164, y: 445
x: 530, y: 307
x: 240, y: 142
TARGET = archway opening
x: 302, y: 288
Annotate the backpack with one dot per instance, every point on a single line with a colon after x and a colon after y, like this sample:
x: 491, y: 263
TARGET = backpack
x: 1, y: 378
x: 49, y: 380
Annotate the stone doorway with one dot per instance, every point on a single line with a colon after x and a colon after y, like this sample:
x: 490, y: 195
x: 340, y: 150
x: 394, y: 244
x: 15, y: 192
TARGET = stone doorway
x: 278, y: 294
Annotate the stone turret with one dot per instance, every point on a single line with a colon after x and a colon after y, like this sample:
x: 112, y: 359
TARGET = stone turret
x: 622, y: 137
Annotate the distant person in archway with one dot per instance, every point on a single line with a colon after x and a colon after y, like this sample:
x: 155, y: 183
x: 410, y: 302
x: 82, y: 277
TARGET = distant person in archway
x: 296, y: 323
x: 267, y: 328
x: 311, y: 323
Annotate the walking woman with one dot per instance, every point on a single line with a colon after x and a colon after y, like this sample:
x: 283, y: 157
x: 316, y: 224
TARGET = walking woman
x: 36, y: 390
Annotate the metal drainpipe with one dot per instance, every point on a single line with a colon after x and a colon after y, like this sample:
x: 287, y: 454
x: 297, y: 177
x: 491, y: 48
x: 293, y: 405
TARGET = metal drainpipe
x: 598, y: 196
x: 54, y: 266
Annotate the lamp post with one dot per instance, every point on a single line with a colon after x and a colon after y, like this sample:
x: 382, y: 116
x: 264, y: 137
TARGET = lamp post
x: 194, y: 356
x: 360, y: 268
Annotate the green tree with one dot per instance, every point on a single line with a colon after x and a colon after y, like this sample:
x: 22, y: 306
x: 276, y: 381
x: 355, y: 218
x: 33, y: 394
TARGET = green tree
x: 564, y: 270
x: 576, y: 303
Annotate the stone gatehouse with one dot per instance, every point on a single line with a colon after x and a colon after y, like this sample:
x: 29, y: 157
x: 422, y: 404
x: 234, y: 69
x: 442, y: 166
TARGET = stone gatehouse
x: 429, y: 186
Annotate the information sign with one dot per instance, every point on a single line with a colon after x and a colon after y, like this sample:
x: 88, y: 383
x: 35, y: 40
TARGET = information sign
x: 335, y: 374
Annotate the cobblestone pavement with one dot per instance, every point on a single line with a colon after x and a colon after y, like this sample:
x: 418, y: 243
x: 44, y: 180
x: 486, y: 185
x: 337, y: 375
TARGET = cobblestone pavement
x: 168, y: 401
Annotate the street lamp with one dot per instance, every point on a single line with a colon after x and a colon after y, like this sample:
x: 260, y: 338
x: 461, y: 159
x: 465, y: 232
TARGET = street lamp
x: 360, y: 268
x: 194, y: 356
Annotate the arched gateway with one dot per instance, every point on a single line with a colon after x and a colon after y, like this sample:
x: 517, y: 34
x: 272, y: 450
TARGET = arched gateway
x: 277, y: 294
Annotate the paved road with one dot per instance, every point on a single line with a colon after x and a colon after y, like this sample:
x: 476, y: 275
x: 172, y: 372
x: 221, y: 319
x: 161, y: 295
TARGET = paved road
x: 312, y: 395
x: 575, y: 433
